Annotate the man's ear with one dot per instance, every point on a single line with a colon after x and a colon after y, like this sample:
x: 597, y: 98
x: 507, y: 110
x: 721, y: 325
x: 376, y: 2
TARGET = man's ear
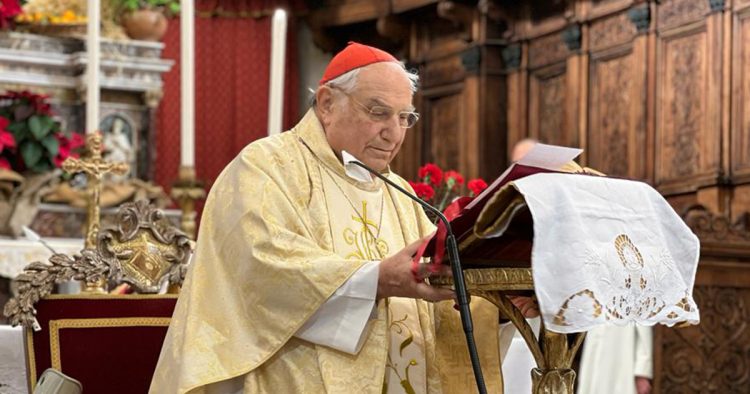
x: 324, y: 101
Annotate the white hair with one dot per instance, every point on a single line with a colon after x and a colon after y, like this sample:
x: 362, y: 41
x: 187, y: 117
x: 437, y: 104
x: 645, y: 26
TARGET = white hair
x: 347, y: 81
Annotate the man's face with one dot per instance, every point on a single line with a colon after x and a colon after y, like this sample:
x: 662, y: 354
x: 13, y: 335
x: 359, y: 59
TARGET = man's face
x: 350, y: 126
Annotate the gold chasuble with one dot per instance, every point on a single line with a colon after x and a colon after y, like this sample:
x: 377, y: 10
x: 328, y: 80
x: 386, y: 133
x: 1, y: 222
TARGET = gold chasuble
x: 282, y: 229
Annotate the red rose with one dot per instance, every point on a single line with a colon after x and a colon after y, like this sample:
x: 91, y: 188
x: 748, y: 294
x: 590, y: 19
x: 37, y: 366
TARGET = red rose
x: 476, y: 186
x: 430, y: 173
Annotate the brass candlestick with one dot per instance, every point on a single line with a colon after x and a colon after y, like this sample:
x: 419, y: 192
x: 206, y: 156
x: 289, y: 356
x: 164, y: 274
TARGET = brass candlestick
x: 186, y: 191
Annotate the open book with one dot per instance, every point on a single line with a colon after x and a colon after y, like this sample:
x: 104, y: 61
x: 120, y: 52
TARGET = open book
x: 540, y: 159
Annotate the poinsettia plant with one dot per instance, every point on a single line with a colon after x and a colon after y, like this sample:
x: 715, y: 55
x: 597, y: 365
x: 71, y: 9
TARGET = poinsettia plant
x: 9, y: 9
x: 440, y: 188
x: 30, y: 138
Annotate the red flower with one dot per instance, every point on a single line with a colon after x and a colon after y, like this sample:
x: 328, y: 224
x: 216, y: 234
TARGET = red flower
x: 4, y: 163
x: 430, y: 173
x: 423, y: 190
x: 476, y: 186
x: 6, y: 137
x: 453, y: 179
x: 76, y: 140
x: 66, y: 147
x: 8, y: 9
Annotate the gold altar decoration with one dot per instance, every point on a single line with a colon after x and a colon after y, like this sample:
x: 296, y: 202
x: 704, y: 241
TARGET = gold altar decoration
x: 147, y: 249
x: 553, y: 353
x: 143, y: 251
x: 186, y: 191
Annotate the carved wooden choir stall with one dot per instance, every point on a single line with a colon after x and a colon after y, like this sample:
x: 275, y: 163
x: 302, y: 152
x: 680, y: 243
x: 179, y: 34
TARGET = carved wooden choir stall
x: 652, y: 90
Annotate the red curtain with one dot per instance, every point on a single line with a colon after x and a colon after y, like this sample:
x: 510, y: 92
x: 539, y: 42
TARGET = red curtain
x: 232, y: 59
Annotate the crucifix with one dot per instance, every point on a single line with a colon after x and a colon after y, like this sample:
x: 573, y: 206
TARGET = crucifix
x: 95, y: 168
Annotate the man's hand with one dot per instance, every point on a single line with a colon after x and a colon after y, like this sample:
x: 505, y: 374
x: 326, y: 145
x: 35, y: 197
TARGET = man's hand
x: 397, y: 280
x: 528, y: 307
x: 642, y: 385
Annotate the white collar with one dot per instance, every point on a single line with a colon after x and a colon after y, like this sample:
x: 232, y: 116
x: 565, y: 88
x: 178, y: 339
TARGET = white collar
x: 354, y: 171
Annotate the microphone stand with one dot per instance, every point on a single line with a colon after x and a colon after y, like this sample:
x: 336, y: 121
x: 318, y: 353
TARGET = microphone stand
x: 458, y: 277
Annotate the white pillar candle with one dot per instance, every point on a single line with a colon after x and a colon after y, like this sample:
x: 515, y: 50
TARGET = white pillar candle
x: 92, y: 66
x: 187, y: 84
x: 276, y: 83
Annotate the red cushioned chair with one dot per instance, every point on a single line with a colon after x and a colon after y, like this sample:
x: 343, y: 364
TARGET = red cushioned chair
x: 109, y: 343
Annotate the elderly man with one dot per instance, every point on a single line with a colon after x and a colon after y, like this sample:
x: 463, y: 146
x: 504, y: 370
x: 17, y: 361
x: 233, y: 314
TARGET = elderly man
x: 302, y: 281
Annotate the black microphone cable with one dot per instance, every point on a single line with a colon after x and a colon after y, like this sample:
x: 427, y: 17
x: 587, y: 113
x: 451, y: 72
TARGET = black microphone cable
x: 458, y: 277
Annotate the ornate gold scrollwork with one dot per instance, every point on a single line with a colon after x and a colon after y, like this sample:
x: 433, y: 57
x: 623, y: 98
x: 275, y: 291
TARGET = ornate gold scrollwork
x: 143, y: 251
x: 147, y: 250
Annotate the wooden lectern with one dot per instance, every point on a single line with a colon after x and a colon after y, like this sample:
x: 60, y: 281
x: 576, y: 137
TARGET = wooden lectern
x: 606, y: 251
x: 495, y: 268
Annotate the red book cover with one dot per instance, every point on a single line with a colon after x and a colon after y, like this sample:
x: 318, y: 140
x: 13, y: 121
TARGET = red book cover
x: 512, y: 249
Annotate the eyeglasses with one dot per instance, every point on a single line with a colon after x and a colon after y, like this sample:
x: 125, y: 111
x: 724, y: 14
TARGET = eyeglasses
x: 379, y: 113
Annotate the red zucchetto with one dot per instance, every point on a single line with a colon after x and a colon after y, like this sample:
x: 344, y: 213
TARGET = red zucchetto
x: 355, y: 55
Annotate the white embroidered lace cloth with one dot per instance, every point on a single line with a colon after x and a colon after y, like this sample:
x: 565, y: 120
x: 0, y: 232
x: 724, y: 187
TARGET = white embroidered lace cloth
x: 12, y: 367
x: 608, y: 251
x: 15, y: 254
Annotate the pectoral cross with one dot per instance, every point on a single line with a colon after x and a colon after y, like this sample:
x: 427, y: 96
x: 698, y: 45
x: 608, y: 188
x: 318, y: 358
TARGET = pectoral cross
x: 95, y: 168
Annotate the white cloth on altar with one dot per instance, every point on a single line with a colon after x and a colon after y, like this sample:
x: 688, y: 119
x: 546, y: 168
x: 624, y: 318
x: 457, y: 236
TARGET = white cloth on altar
x: 15, y: 254
x: 613, y: 356
x: 608, y: 251
x: 12, y: 361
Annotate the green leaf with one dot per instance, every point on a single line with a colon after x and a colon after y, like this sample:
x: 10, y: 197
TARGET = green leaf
x: 17, y: 128
x: 42, y: 166
x: 31, y: 153
x: 40, y: 126
x: 52, y: 144
x: 404, y: 344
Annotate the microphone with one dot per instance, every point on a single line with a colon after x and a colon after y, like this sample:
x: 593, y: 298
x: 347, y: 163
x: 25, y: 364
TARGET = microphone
x: 458, y: 273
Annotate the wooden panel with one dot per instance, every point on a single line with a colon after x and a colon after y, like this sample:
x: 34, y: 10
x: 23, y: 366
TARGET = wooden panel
x: 547, y: 50
x: 611, y: 31
x: 398, y: 6
x: 443, y: 71
x: 672, y: 13
x: 617, y: 111
x: 445, y: 129
x: 688, y: 126
x: 740, y: 4
x: 741, y: 94
x: 547, y: 99
x: 600, y: 8
x: 713, y: 356
x: 348, y: 12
